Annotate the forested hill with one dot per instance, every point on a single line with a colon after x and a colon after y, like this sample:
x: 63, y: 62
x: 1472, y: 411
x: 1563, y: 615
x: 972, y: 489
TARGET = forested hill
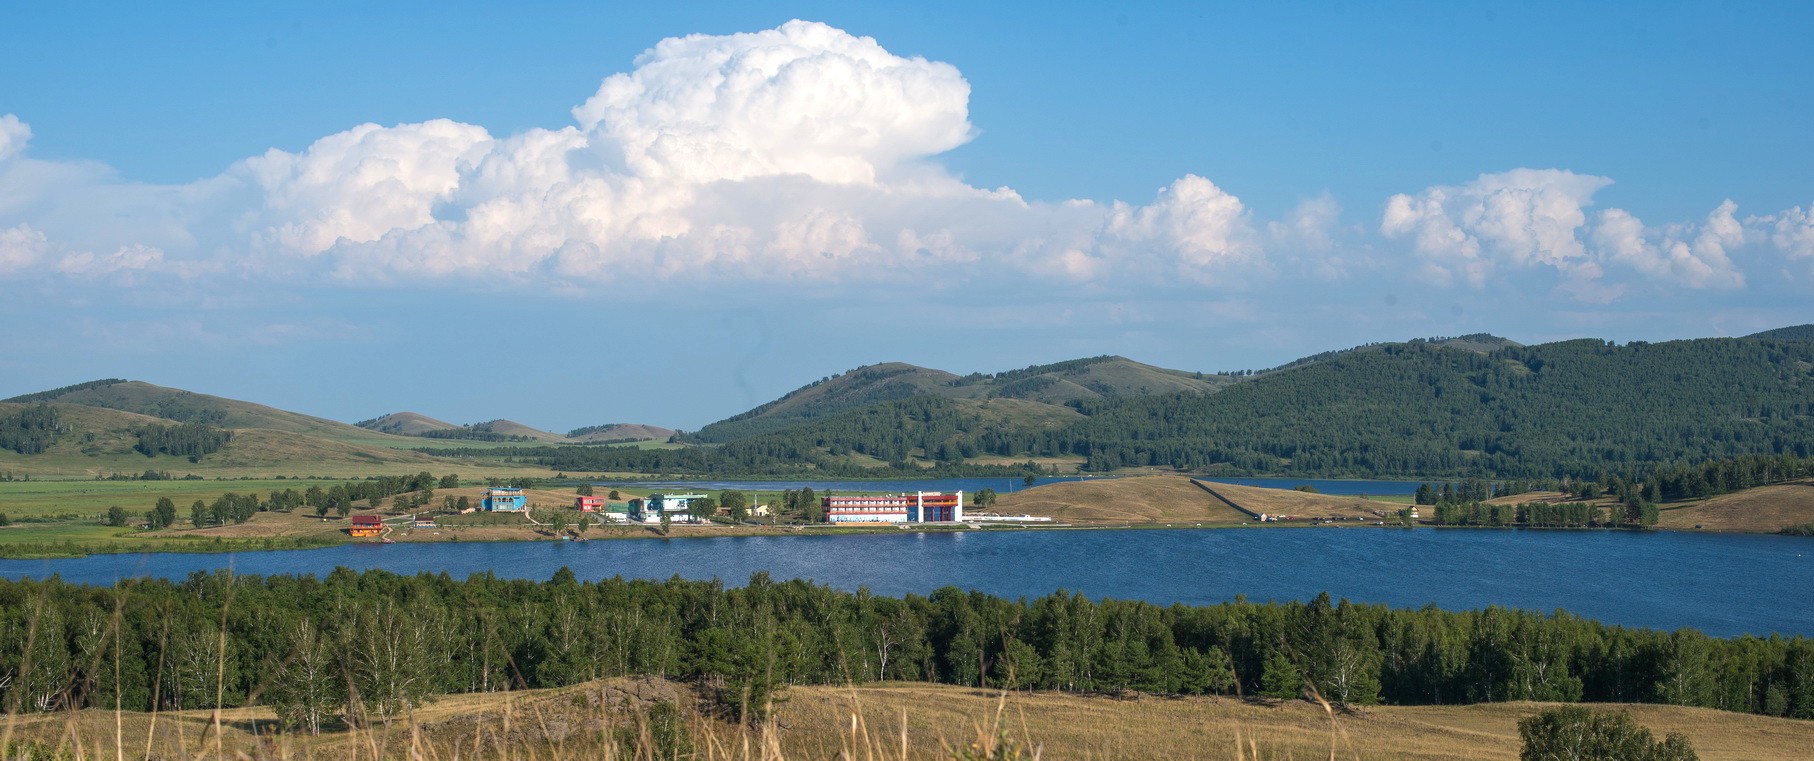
x: 1414, y: 409
x: 1051, y: 385
x: 1791, y: 333
x: 1573, y: 407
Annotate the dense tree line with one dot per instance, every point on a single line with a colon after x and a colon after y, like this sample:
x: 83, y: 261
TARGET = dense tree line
x: 370, y: 645
x: 1545, y: 515
x: 45, y: 396
x: 340, y: 499
x: 471, y: 433
x: 191, y: 440
x: 1724, y: 476
x: 30, y: 430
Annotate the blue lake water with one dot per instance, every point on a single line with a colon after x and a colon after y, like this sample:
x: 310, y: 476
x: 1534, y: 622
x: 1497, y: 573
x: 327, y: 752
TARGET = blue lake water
x: 1007, y: 485
x: 1723, y: 584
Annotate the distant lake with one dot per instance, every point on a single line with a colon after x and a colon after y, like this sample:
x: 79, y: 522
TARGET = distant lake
x: 1723, y: 584
x: 1009, y: 485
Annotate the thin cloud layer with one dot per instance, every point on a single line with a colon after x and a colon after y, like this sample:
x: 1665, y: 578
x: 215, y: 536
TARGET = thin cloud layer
x: 796, y: 153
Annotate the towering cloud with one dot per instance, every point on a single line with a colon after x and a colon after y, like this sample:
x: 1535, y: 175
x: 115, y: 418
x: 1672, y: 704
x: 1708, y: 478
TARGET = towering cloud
x: 803, y: 99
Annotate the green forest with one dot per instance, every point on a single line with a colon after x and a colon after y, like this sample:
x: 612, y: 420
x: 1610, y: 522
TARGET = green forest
x: 1574, y: 408
x: 30, y: 430
x: 1569, y: 410
x: 367, y: 646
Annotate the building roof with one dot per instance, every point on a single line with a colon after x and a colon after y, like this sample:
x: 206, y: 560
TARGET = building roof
x: 366, y: 520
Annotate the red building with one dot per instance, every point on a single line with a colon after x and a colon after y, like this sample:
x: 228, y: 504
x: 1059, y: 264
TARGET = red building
x: 589, y: 504
x: 366, y: 525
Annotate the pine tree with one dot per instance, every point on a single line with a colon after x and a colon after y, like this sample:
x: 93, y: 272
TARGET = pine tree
x: 1280, y: 678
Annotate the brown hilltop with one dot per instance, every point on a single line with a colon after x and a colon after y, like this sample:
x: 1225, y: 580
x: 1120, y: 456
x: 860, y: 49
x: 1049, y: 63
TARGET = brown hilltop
x: 1174, y: 499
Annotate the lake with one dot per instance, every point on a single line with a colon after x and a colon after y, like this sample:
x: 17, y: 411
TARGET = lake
x: 1723, y: 584
x: 1008, y: 485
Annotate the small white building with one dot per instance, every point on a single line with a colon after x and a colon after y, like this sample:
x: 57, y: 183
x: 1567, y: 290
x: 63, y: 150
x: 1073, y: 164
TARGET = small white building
x: 676, y: 506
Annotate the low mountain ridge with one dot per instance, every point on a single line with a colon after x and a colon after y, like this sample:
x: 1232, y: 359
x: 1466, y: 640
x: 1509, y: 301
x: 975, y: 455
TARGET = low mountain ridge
x: 1056, y: 384
x: 416, y: 424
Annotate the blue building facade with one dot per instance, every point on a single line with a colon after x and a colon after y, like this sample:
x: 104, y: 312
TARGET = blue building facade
x: 505, y: 499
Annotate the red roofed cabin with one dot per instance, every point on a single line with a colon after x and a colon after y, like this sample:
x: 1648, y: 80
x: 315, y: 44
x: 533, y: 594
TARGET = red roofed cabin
x: 589, y: 504
x: 366, y: 525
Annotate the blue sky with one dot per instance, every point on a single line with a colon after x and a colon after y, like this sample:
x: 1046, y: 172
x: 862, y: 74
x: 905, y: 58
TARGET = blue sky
x: 187, y: 196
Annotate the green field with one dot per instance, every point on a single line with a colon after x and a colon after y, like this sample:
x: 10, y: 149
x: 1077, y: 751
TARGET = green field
x: 92, y: 498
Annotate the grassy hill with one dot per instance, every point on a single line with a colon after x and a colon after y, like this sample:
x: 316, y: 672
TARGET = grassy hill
x: 405, y: 424
x: 98, y: 441
x: 1174, y: 499
x: 415, y: 424
x: 620, y: 432
x: 900, y: 721
x: 1051, y: 385
x: 190, y: 407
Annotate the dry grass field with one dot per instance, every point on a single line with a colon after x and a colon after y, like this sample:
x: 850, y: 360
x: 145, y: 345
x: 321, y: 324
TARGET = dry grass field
x: 885, y: 721
x: 1765, y: 509
x: 1762, y: 510
x: 1174, y: 499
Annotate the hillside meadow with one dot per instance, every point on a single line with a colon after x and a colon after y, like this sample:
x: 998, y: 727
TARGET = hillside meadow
x: 1149, y: 500
x: 619, y: 718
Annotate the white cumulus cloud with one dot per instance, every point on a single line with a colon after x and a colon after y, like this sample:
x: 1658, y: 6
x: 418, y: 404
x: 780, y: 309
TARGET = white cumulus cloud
x: 800, y: 151
x: 1516, y: 219
x: 359, y: 184
x: 1792, y: 231
x: 1192, y: 226
x: 803, y: 98
x: 20, y: 248
x: 1692, y: 255
x: 14, y: 134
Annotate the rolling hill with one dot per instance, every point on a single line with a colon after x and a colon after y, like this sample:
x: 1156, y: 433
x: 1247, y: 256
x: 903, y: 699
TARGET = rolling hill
x: 189, y: 407
x: 416, y: 424
x: 1053, y: 385
x: 1475, y: 405
x: 613, y: 432
x: 97, y: 441
x: 405, y: 424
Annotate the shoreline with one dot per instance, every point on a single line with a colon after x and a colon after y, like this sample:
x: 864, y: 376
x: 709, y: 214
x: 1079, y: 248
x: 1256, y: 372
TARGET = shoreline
x: 216, y: 544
